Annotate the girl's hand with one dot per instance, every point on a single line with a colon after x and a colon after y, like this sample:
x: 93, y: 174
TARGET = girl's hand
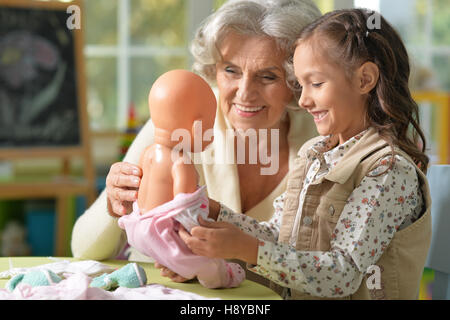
x: 214, y: 209
x: 122, y: 183
x: 166, y: 272
x: 220, y: 240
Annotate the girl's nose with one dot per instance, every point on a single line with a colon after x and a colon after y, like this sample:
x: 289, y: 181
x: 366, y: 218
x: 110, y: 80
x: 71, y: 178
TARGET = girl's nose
x: 305, y: 101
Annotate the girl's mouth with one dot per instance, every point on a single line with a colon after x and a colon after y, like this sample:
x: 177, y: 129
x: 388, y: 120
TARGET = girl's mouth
x: 319, y: 115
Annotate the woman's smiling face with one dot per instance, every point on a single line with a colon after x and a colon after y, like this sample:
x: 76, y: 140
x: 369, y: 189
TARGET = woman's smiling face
x: 252, y: 83
x: 328, y: 95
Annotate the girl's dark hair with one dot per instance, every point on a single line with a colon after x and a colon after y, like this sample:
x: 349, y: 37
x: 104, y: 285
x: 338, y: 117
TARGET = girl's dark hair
x: 350, y: 43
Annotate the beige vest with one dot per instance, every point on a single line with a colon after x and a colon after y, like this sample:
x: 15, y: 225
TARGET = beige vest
x: 402, y: 262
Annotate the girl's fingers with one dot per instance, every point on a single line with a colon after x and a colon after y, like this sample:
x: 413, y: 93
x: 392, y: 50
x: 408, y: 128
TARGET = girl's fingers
x: 184, y: 235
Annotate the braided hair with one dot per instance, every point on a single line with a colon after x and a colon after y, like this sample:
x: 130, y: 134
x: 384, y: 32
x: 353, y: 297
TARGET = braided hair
x: 391, y: 109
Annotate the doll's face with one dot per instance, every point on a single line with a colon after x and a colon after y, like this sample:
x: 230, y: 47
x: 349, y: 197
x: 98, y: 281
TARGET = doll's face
x: 179, y: 99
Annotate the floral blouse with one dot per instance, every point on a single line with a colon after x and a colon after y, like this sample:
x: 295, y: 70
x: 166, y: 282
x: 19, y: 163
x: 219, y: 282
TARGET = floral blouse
x: 375, y: 210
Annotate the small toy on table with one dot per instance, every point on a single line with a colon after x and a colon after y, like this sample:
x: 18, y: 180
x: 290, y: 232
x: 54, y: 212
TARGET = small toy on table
x: 130, y: 276
x: 35, y: 278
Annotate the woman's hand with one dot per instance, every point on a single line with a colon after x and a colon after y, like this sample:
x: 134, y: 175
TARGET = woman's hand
x: 166, y: 272
x: 221, y: 240
x: 122, y: 184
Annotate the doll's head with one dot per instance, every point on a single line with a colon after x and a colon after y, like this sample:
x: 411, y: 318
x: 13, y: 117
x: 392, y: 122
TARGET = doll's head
x: 178, y: 99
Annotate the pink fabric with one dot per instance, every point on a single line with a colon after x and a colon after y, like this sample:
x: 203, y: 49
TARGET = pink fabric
x: 155, y: 234
x: 76, y: 287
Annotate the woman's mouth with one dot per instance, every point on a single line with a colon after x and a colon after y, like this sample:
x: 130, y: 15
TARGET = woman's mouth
x: 247, y: 111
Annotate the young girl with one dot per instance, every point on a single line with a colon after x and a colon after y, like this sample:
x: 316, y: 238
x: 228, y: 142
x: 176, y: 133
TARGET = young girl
x: 357, y: 200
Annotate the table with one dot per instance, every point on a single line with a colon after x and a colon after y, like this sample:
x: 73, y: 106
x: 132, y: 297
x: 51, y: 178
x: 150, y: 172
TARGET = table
x: 248, y: 290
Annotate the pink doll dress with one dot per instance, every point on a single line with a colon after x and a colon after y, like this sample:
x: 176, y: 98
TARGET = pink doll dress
x: 155, y: 234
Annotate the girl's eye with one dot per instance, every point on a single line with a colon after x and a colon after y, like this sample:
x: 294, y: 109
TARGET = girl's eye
x: 317, y: 84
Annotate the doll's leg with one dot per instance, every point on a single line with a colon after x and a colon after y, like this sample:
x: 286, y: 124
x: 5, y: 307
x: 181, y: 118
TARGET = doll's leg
x: 237, y: 274
x: 221, y: 274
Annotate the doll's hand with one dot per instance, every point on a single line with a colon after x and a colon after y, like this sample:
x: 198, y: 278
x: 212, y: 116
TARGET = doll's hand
x: 122, y: 183
x: 221, y: 240
x: 166, y: 272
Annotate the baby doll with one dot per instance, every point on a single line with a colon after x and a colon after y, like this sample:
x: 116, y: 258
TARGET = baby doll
x: 181, y: 104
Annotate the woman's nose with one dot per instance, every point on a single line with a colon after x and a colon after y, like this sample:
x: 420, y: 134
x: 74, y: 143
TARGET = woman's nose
x: 246, y: 90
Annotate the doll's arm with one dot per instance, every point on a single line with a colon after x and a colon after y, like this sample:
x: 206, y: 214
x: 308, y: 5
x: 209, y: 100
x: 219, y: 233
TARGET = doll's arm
x: 144, y: 194
x: 185, y: 177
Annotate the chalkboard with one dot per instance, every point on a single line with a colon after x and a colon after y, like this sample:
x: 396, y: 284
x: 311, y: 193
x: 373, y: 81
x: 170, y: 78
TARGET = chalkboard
x: 43, y: 103
x: 39, y: 81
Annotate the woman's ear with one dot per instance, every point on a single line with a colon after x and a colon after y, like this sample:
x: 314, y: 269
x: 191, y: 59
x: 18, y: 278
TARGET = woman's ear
x: 368, y: 75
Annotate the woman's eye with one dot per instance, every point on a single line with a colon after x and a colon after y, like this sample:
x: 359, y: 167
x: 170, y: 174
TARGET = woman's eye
x: 317, y: 84
x: 269, y: 77
x: 229, y: 70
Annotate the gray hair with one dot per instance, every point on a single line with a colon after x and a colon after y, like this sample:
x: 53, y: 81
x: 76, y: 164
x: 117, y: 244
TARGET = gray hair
x: 281, y: 20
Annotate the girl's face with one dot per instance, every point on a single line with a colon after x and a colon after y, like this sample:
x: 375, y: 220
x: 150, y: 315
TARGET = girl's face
x: 328, y: 95
x: 252, y: 82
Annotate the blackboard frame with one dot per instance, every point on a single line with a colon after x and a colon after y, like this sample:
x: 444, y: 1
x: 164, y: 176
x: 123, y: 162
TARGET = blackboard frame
x: 82, y: 149
x: 65, y: 187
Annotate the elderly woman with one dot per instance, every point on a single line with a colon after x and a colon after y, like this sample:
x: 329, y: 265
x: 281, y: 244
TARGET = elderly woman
x: 244, y: 50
